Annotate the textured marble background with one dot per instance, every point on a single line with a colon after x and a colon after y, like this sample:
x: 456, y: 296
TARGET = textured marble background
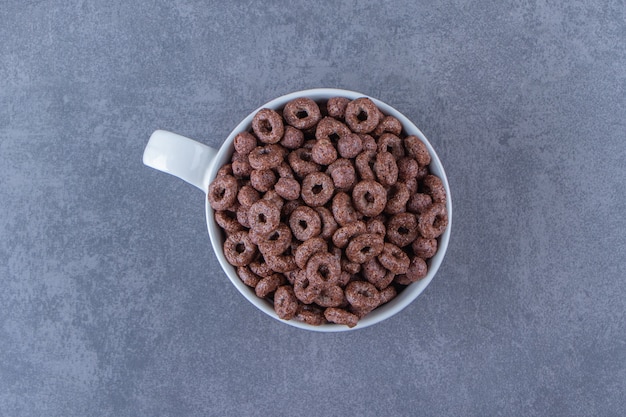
x: 111, y: 303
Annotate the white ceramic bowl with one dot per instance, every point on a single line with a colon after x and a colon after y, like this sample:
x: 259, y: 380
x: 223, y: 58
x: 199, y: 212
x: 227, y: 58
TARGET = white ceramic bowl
x: 198, y: 164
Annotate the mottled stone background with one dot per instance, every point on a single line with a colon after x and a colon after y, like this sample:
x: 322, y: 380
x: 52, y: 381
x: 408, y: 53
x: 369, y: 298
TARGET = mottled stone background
x: 111, y: 299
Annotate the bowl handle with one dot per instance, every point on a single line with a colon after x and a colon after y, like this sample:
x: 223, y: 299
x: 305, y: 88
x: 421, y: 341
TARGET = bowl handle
x: 182, y: 157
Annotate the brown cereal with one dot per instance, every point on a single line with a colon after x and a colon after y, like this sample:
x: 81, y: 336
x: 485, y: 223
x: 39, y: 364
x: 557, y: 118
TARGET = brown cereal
x: 331, y: 296
x: 284, y: 171
x: 273, y: 197
x: 242, y: 216
x: 389, y: 142
x: 302, y: 113
x: 323, y: 152
x: 276, y: 242
x: 329, y: 225
x: 412, y: 184
x: 264, y: 217
x: 342, y: 209
x: 310, y: 315
x: 266, y: 157
x: 244, y: 143
x: 308, y: 249
x: 433, y: 186
x: 268, y: 126
x: 402, y: 229
x: 285, y: 302
x: 248, y: 277
x: 287, y: 188
x: 323, y: 269
x: 331, y: 129
x: 317, y: 189
x: 364, y: 163
x: 369, y: 143
x: 387, y: 294
x: 305, y: 223
x: 268, y: 285
x: 394, y: 259
x: 397, y: 197
x: 369, y: 197
x: 386, y: 169
x: 281, y: 263
x: 407, y: 168
x: 433, y: 221
x: 376, y: 225
x: 342, y: 173
x: 388, y: 124
x: 362, y: 115
x: 373, y: 271
x: 419, y: 202
x: 301, y: 162
x: 424, y: 248
x: 241, y: 168
x: 238, y: 249
x: 362, y: 295
x: 290, y: 206
x: 223, y: 192
x: 262, y: 179
x: 247, y: 195
x: 342, y: 236
x: 364, y: 247
x: 225, y: 170
x: 336, y: 107
x: 415, y: 148
x: 418, y: 269
x: 261, y: 268
x: 341, y: 316
x: 292, y: 138
x: 349, y: 146
x: 350, y: 267
x: 227, y: 220
x: 305, y: 290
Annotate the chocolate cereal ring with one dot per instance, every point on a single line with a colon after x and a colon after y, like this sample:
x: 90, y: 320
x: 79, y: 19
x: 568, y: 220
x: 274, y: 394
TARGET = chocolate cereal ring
x: 369, y: 143
x: 262, y: 179
x: 273, y: 197
x: 317, y: 189
x: 248, y: 195
x: 292, y: 138
x: 364, y: 247
x: 268, y: 285
x: 310, y: 315
x: 266, y: 157
x: 268, y: 126
x: 362, y: 295
x: 331, y: 129
x: 261, y: 268
x: 331, y: 296
x: 433, y: 221
x: 323, y: 152
x: 386, y: 169
x: 308, y: 249
x: 373, y: 271
x: 394, y: 259
x: 433, y: 186
x: 281, y: 263
x: 302, y: 113
x: 397, y: 197
x: 242, y: 216
x: 341, y: 316
x: 329, y: 225
x: 276, y: 242
x: 388, y: 294
x: 415, y: 148
x: 364, y: 163
x: 264, y: 217
x: 305, y: 223
x: 223, y: 192
x: 285, y: 302
x: 350, y: 145
x: 418, y: 269
x: 238, y: 249
x: 288, y: 188
x: 424, y: 248
x: 389, y: 142
x: 342, y: 173
x: 362, y: 115
x: 323, y: 269
x: 301, y: 162
x: 342, y: 209
x: 304, y: 289
x: 402, y: 229
x: 336, y: 107
x: 376, y: 225
x: 248, y: 277
x: 388, y: 124
x: 227, y: 220
x: 244, y: 143
x: 407, y: 168
x: 370, y: 198
x: 342, y: 236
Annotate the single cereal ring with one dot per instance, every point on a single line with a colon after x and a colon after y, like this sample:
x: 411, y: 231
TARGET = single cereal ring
x: 290, y: 206
x: 281, y: 263
x: 364, y: 247
x: 433, y: 221
x: 311, y: 315
x: 244, y: 143
x: 248, y: 277
x: 394, y: 259
x: 350, y: 267
x: 273, y: 197
x: 407, y: 168
x: 389, y: 142
x: 305, y: 290
x: 331, y: 129
x: 323, y: 152
x: 397, y: 197
x: 223, y: 192
x: 268, y: 126
x: 266, y: 157
x: 342, y: 209
x: 402, y: 229
x: 292, y: 138
x: 388, y: 294
x: 369, y: 143
x: 285, y: 302
x: 268, y: 285
x: 364, y: 163
x: 308, y: 249
x: 362, y: 115
x: 323, y: 269
x: 424, y: 248
x: 373, y: 271
x: 415, y: 148
x: 412, y: 184
x: 344, y: 278
x: 302, y: 113
x: 264, y: 217
x: 341, y: 316
x: 305, y: 223
x: 227, y: 220
x: 362, y: 295
x: 284, y: 170
x: 317, y: 189
x: 376, y: 225
x: 241, y: 168
x: 433, y: 186
x: 261, y: 268
x: 238, y: 249
x: 242, y: 216
x: 224, y: 170
x: 276, y: 242
x: 248, y: 195
x: 370, y: 197
x: 287, y: 188
x: 349, y: 146
x: 331, y: 296
x: 301, y: 162
x: 342, y: 236
x: 342, y: 173
x: 388, y: 124
x: 262, y: 179
x: 329, y: 225
x: 336, y: 107
x: 386, y: 169
x: 418, y: 269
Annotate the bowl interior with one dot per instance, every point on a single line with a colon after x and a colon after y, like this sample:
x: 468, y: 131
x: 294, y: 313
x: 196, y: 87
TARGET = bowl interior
x: 405, y: 297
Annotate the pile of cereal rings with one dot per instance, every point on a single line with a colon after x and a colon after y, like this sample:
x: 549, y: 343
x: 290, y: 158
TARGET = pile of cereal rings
x: 329, y: 210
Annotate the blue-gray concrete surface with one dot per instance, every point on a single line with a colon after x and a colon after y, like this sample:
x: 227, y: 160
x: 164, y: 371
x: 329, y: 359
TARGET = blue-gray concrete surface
x: 111, y: 299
